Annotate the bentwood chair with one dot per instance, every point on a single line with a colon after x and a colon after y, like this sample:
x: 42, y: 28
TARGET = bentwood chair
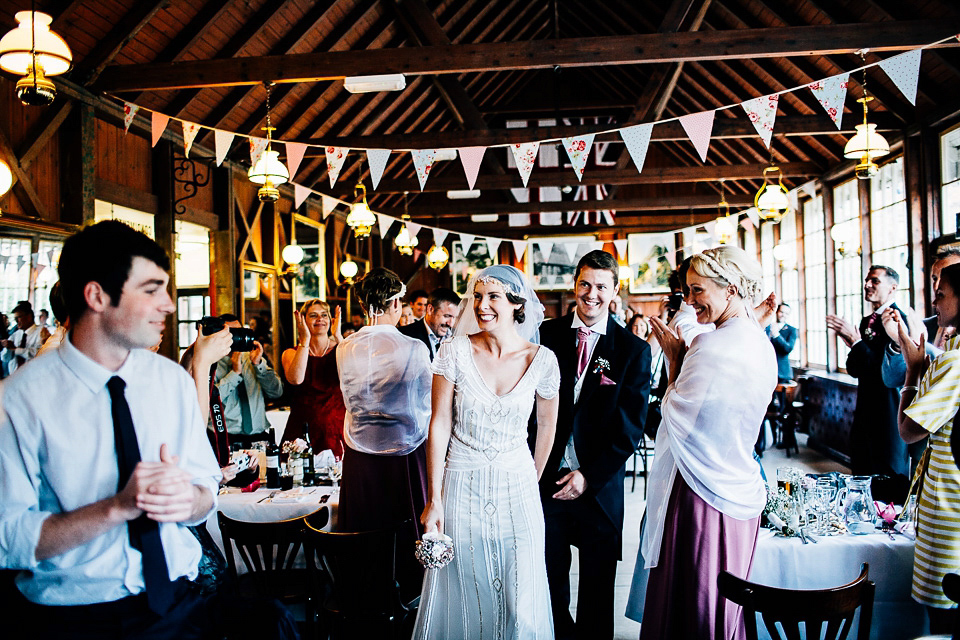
x: 354, y: 579
x: 833, y: 607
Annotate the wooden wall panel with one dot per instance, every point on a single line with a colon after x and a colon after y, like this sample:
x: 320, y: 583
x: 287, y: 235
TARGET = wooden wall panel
x: 123, y: 158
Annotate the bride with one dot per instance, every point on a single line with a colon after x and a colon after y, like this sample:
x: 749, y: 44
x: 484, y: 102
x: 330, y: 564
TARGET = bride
x: 485, y: 497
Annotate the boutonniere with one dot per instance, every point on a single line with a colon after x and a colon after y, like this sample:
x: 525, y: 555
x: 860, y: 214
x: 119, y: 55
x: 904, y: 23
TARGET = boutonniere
x: 869, y: 333
x: 601, y: 366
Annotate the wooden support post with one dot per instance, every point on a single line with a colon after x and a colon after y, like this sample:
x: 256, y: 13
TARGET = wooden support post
x: 164, y: 228
x: 831, y: 271
x: 919, y: 261
x: 78, y: 166
x: 223, y: 258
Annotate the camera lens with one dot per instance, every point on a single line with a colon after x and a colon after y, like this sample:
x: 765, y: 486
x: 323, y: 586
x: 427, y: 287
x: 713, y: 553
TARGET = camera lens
x: 242, y: 339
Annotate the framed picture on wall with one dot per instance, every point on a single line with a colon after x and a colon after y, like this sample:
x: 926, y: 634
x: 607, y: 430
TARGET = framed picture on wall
x: 251, y: 285
x: 464, y: 264
x: 552, y: 261
x: 306, y: 282
x: 647, y: 254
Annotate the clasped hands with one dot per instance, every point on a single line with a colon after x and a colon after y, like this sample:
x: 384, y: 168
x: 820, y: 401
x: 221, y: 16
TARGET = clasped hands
x: 161, y: 490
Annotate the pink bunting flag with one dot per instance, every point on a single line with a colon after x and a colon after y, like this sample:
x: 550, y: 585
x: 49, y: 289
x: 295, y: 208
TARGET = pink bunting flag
x: 762, y: 112
x: 295, y: 151
x: 300, y: 194
x: 471, y: 157
x: 637, y: 139
x: 413, y: 228
x: 190, y: 130
x: 519, y: 248
x: 257, y: 147
x: 327, y: 205
x: 158, y: 122
x: 466, y: 241
x: 493, y: 244
x: 753, y: 216
x: 129, y: 113
x: 525, y: 155
x: 385, y: 222
x: 423, y: 162
x: 621, y: 247
x: 904, y: 71
x: 439, y: 236
x: 221, y: 144
x: 699, y: 127
x: 377, y: 160
x: 830, y: 93
x: 578, y: 150
x: 335, y: 159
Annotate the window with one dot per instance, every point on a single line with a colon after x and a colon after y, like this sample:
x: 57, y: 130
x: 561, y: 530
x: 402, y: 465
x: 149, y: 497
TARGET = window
x: 815, y: 280
x: 193, y: 255
x: 789, y: 278
x: 846, y: 209
x: 14, y: 272
x: 48, y: 257
x: 888, y: 225
x: 190, y: 308
x: 950, y: 178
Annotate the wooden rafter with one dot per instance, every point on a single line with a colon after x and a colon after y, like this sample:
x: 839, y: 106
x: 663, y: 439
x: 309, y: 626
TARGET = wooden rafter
x: 23, y: 187
x: 125, y: 30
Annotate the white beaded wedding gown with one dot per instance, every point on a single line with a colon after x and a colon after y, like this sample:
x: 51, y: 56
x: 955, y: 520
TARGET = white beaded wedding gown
x: 496, y: 586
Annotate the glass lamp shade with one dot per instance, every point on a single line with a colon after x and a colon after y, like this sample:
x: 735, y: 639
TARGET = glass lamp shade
x: 437, y: 257
x: 18, y: 45
x: 268, y: 167
x: 846, y: 233
x: 292, y: 254
x: 405, y: 242
x: 626, y: 273
x: 361, y: 219
x: 781, y: 252
x: 6, y: 178
x: 348, y: 269
x: 771, y: 201
x: 318, y: 269
x: 866, y: 142
x: 726, y: 227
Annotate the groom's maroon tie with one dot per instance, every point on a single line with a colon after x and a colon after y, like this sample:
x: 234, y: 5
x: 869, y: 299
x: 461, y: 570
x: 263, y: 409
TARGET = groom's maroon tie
x: 583, y: 350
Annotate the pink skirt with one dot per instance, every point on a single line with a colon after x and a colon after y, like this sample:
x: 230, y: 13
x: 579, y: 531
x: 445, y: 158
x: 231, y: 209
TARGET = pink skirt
x: 698, y: 543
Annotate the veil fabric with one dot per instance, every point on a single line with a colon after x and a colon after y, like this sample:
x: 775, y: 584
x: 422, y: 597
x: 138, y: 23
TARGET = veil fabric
x: 512, y: 280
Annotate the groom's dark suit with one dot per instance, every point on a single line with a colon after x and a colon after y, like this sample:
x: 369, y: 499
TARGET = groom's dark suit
x: 607, y: 423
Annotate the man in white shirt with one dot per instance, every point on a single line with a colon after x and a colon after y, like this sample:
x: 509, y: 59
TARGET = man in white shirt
x: 99, y: 481
x: 26, y: 341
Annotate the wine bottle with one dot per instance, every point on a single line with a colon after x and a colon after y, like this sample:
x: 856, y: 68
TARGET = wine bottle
x: 273, y: 466
x: 308, y: 472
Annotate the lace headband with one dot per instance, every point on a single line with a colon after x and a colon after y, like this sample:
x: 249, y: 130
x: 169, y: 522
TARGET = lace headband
x: 736, y: 281
x: 399, y: 294
x: 509, y: 277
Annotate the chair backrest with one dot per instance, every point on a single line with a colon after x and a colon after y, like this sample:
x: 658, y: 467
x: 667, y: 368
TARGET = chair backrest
x: 265, y: 548
x: 790, y: 390
x: 833, y: 607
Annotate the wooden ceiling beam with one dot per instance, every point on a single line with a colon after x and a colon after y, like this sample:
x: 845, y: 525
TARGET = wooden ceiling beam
x: 42, y: 132
x: 669, y: 203
x: 123, y: 31
x: 648, y: 222
x: 586, y: 52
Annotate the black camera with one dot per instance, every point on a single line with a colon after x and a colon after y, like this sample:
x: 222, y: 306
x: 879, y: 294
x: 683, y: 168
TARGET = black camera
x: 674, y: 300
x: 242, y: 337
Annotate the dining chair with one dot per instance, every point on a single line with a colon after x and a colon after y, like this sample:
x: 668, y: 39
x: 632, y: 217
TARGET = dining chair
x: 354, y: 579
x: 834, y: 607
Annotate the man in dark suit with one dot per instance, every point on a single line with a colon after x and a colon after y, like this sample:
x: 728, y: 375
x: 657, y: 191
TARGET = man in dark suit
x: 437, y: 320
x: 784, y: 339
x: 604, y: 388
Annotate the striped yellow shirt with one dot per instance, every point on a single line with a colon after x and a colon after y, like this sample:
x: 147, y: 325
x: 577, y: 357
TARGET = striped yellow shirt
x: 938, y: 529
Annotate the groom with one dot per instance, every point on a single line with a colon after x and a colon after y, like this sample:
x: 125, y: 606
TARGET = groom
x: 604, y: 388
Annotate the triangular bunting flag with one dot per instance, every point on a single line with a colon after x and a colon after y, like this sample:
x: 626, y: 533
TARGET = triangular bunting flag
x: 377, y: 160
x: 578, y: 149
x: 596, y: 246
x: 158, y: 122
x: 637, y: 140
x: 385, y: 223
x: 830, y: 93
x: 525, y: 154
x: 466, y: 241
x: 470, y: 158
x: 300, y: 194
x: 519, y: 248
x: 327, y: 205
x: 221, y: 144
x: 571, y: 249
x: 621, y: 247
x: 129, y: 113
x: 423, y: 162
x: 546, y: 248
x: 20, y: 262
x: 50, y: 258
x: 335, y: 158
x: 40, y: 268
x: 493, y: 244
x: 190, y: 130
x: 904, y: 70
x: 754, y: 217
x: 711, y: 228
x: 439, y: 235
x: 257, y: 147
x: 762, y: 112
x: 699, y: 127
x: 413, y: 228
x: 295, y: 151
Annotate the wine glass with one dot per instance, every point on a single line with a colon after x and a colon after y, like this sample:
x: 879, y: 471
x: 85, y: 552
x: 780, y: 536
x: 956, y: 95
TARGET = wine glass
x: 823, y: 495
x: 335, y: 471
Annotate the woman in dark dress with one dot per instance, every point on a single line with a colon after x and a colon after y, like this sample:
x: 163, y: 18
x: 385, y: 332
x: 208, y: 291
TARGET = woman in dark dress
x: 316, y: 404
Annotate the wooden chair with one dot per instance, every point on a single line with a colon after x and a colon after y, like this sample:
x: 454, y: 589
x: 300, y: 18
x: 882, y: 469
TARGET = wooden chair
x: 790, y: 607
x: 353, y: 577
x: 644, y: 452
x: 783, y: 416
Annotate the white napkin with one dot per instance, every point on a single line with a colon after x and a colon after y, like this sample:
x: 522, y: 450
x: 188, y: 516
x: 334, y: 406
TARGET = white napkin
x: 290, y: 496
x: 324, y: 459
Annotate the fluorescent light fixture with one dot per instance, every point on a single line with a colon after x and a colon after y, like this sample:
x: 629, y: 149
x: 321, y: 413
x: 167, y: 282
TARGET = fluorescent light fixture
x: 463, y: 194
x: 369, y: 84
x: 445, y: 155
x: 484, y: 217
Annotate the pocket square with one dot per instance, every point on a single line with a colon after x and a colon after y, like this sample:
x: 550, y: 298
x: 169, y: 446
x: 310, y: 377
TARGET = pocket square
x: 605, y: 381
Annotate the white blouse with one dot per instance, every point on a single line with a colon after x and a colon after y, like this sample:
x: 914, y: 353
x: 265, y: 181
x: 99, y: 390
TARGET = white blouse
x: 711, y: 418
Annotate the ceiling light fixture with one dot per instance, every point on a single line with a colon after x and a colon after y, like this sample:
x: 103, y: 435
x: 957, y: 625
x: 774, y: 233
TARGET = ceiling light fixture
x: 726, y: 225
x: 360, y: 218
x: 6, y: 178
x: 33, y: 51
x: 445, y: 155
x: 437, y: 257
x: 292, y: 254
x: 404, y: 241
x: 349, y: 270
x: 268, y: 170
x: 866, y: 144
x: 463, y: 194
x: 771, y: 200
x: 370, y: 84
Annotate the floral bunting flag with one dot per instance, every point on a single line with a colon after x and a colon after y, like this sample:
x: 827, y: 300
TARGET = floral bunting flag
x: 335, y: 159
x: 423, y: 162
x: 190, y: 130
x: 466, y: 241
x: 546, y: 248
x: 385, y: 223
x: 571, y: 249
x: 327, y: 205
x: 637, y: 139
x: 377, y: 161
x: 129, y: 113
x: 221, y: 144
x: 762, y: 112
x: 470, y: 158
x: 525, y: 154
x: 300, y: 194
x: 158, y: 122
x: 578, y: 149
x: 493, y: 244
x: 257, y: 147
x: 699, y: 127
x: 830, y: 93
x: 519, y: 248
x: 439, y: 235
x: 904, y: 71
x: 621, y: 247
x: 295, y: 152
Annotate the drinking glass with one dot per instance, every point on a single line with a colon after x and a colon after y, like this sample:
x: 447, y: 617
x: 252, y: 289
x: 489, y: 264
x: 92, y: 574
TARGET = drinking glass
x: 335, y: 470
x: 823, y: 495
x: 785, y: 479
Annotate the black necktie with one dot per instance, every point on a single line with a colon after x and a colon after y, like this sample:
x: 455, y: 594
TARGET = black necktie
x: 23, y: 345
x: 144, y: 532
x: 246, y: 419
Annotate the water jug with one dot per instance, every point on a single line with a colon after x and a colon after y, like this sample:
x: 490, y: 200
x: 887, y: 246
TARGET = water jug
x: 859, y: 512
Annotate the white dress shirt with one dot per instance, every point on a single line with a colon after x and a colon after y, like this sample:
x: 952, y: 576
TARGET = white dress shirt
x: 599, y: 328
x: 34, y: 334
x: 57, y: 454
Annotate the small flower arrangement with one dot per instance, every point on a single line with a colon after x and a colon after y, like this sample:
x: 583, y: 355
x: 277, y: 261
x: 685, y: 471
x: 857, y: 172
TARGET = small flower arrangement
x: 869, y: 333
x: 294, y: 446
x: 601, y: 366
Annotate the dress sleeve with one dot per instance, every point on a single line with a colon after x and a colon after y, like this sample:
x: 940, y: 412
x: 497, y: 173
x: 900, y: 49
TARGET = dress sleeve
x: 549, y: 384
x: 939, y: 394
x: 445, y: 364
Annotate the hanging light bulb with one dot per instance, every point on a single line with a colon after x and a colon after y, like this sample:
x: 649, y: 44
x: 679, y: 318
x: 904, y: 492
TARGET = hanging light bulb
x: 360, y: 218
x: 292, y: 253
x: 726, y: 226
x: 405, y: 241
x: 35, y: 52
x: 866, y: 144
x: 268, y: 170
x: 6, y: 178
x: 437, y: 257
x: 349, y: 269
x: 771, y: 200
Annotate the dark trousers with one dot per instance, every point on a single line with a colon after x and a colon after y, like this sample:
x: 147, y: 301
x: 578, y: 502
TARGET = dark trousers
x: 583, y: 524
